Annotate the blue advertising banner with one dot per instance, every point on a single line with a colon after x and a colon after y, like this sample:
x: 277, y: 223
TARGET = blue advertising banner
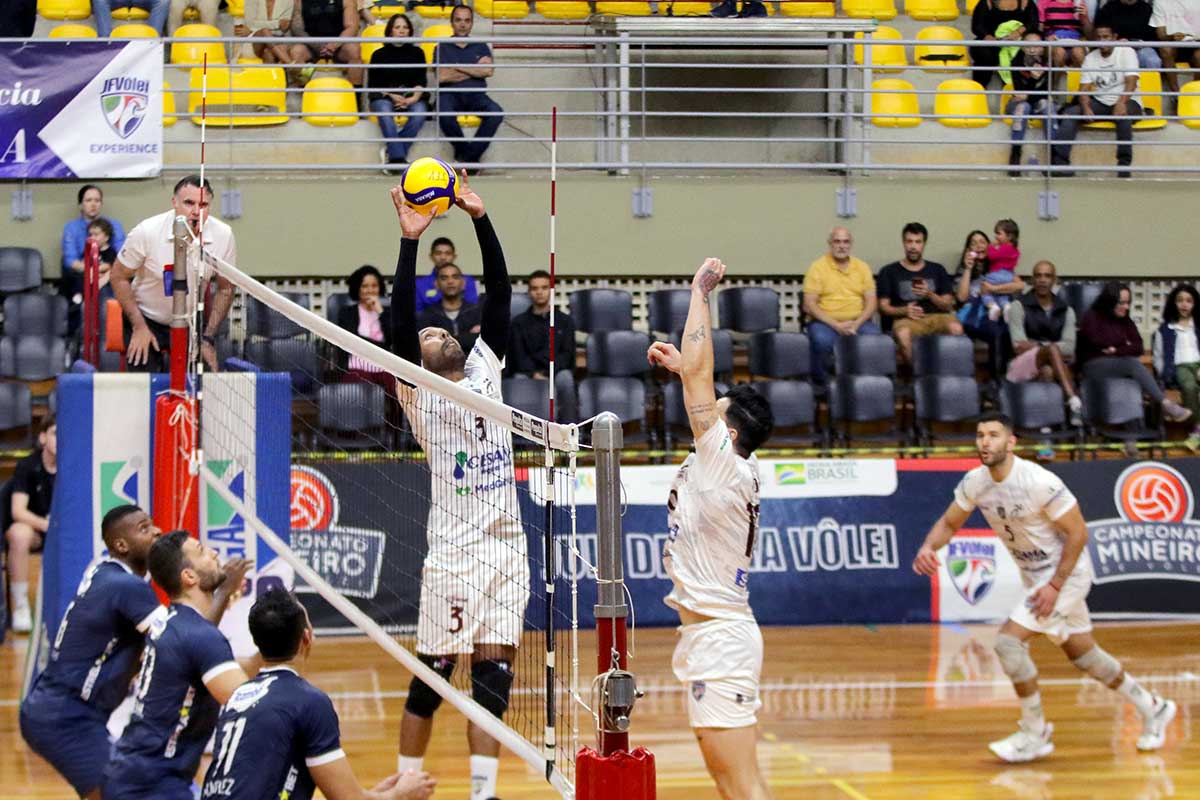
x: 89, y: 109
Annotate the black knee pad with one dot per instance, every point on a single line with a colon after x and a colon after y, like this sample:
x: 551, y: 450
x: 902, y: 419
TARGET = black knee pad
x: 491, y: 682
x: 423, y: 701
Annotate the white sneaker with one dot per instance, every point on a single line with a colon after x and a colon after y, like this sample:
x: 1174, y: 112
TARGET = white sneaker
x: 1024, y: 745
x: 22, y: 620
x: 1076, y: 407
x: 1154, y: 727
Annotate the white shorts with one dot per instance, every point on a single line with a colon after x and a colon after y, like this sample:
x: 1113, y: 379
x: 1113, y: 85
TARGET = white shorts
x: 1070, y: 615
x: 719, y: 663
x: 481, y: 602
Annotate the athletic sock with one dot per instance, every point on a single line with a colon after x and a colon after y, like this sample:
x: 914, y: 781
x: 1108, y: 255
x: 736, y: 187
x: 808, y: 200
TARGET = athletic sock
x: 483, y: 777
x: 409, y: 764
x: 20, y: 595
x: 1132, y: 691
x: 1031, y: 712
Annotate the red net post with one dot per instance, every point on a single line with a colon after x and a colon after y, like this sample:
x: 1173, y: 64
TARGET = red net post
x: 91, y: 303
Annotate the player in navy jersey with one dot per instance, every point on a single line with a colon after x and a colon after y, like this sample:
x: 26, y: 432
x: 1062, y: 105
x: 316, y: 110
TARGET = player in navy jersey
x: 95, y: 655
x: 188, y: 672
x: 278, y: 735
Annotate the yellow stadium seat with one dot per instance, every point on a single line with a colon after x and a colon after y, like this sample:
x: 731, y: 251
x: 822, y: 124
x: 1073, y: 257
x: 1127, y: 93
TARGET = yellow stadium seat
x: 372, y: 32
x: 234, y: 91
x: 808, y: 8
x: 434, y: 32
x: 1150, y: 87
x: 237, y: 8
x: 623, y: 8
x: 329, y: 103
x: 563, y: 9
x: 894, y: 104
x: 932, y: 10
x: 248, y: 60
x: 133, y: 30
x: 469, y: 121
x: 1005, y: 96
x: 502, y: 9
x: 961, y: 103
x: 387, y: 12
x: 130, y: 13
x: 940, y: 57
x: 73, y: 30
x: 685, y: 8
x: 970, y: 6
x: 169, y: 117
x: 65, y: 9
x: 869, y: 9
x: 884, y: 57
x: 185, y: 51
x: 436, y: 11
x: 1189, y: 104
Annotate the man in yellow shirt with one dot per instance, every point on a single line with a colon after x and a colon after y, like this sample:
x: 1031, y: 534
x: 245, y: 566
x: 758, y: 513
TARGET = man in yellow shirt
x: 839, y: 298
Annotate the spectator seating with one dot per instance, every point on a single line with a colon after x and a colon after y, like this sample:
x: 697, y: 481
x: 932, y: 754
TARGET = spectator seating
x: 329, y: 102
x: 794, y: 410
x: 20, y: 269
x: 16, y: 404
x: 1080, y: 296
x: 1113, y: 410
x: 563, y: 9
x: 35, y: 314
x: 894, y: 104
x: 32, y: 358
x: 433, y: 9
x: 531, y: 396
x: 601, y: 310
x: 748, y: 309
x: 133, y: 30
x: 1189, y: 104
x: 73, y: 30
x: 623, y: 8
x: 780, y: 355
x: 1005, y: 96
x: 866, y: 354
x: 944, y: 398
x: 131, y: 12
x: 65, y: 9
x: 944, y: 355
x: 502, y: 9
x: 808, y: 8
x: 861, y: 399
x: 931, y: 10
x: 169, y: 117
x: 269, y: 324
x: 885, y: 57
x: 520, y: 303
x: 230, y: 91
x: 618, y: 353
x: 186, y: 51
x: 352, y: 416
x: 375, y: 31
x: 869, y: 9
x: 685, y: 8
x: 297, y: 357
x: 1038, y: 410
x: 433, y: 33
x: 1150, y: 85
x: 668, y: 309
x: 961, y: 103
x: 334, y: 304
x: 625, y: 397
x: 941, y: 57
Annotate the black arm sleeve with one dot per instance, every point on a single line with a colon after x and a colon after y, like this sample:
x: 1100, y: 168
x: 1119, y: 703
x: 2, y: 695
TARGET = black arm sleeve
x: 497, y: 304
x: 404, y: 304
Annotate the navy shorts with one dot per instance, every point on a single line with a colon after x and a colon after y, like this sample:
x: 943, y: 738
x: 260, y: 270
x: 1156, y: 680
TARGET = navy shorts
x: 142, y: 784
x: 68, y: 733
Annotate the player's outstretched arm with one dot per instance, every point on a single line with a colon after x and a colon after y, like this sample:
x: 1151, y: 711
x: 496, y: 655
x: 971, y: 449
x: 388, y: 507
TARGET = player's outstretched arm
x: 404, y: 286
x: 235, y: 570
x: 337, y: 782
x: 696, y: 355
x: 497, y: 303
x: 926, y: 562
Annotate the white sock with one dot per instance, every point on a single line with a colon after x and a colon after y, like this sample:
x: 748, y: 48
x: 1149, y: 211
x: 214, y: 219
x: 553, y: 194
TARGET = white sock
x: 1031, y: 712
x: 20, y: 595
x: 1132, y: 691
x: 409, y: 764
x: 483, y: 777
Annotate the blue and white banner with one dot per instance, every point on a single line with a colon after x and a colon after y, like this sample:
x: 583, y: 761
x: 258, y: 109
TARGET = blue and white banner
x: 89, y: 109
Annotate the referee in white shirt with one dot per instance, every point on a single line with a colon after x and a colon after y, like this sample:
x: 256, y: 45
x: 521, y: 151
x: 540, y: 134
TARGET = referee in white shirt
x: 149, y: 252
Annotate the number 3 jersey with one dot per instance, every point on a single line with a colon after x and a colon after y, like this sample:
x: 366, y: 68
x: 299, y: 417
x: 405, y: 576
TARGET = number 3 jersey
x: 712, y: 518
x: 273, y: 729
x: 1022, y: 510
x: 472, y: 486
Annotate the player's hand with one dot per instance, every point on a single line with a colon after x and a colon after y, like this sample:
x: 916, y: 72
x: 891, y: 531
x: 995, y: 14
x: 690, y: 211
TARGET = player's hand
x: 412, y: 222
x: 140, y: 342
x: 1043, y: 600
x: 407, y: 786
x: 708, y: 276
x: 235, y: 570
x: 467, y: 200
x: 926, y: 562
x: 666, y: 355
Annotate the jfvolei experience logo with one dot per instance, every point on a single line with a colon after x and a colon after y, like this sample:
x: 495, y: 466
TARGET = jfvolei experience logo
x: 124, y: 100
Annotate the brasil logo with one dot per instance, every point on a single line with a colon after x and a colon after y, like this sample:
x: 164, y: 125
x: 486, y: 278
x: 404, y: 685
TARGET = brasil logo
x: 791, y: 474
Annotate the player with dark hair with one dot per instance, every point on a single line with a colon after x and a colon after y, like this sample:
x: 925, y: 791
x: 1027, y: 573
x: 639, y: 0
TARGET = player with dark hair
x: 1038, y: 519
x: 278, y: 735
x: 95, y: 654
x: 188, y: 672
x: 712, y: 517
x: 475, y: 580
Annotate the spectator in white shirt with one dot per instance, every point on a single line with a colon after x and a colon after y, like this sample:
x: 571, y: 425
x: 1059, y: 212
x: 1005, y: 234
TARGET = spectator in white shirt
x: 1177, y: 21
x: 1177, y: 352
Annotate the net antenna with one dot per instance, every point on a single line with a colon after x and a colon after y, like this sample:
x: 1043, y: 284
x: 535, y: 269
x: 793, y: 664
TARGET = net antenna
x: 549, y: 547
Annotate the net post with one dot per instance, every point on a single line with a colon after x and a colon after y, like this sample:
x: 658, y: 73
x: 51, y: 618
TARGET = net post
x: 610, y: 609
x: 91, y: 303
x: 179, y: 317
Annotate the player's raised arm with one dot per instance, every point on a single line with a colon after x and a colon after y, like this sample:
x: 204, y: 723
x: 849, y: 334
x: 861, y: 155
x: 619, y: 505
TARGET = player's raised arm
x: 497, y: 303
x: 404, y: 286
x: 696, y: 356
x: 926, y: 562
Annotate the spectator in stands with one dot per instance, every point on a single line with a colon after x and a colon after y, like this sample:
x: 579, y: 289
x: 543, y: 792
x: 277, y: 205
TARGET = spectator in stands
x: 839, y: 298
x: 1130, y: 22
x: 269, y: 20
x: 452, y: 313
x: 529, y: 334
x: 1177, y: 21
x: 1108, y: 90
x: 1003, y: 255
x: 207, y: 8
x: 729, y: 8
x: 1111, y: 347
x: 972, y: 314
x: 463, y: 69
x: 1066, y: 20
x: 137, y: 277
x: 1030, y: 98
x: 985, y: 19
x: 102, y: 11
x: 31, y: 490
x: 74, y: 237
x: 328, y: 19
x: 1042, y: 327
x: 397, y: 81
x: 1176, y: 352
x: 917, y: 294
x: 101, y: 232
x: 369, y: 319
x: 442, y: 252
x: 18, y: 20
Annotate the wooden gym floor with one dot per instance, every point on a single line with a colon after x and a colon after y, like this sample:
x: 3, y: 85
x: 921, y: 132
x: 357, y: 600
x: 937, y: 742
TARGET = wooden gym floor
x: 850, y: 713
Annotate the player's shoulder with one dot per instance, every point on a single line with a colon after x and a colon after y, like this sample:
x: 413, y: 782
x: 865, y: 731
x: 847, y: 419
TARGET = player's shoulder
x: 1032, y: 473
x: 976, y: 478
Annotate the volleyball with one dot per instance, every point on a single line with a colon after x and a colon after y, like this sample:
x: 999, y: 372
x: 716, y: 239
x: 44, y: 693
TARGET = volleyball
x: 429, y: 185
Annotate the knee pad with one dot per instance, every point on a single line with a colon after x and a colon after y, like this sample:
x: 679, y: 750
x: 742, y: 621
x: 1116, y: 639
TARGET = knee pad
x: 1014, y: 659
x: 423, y: 701
x: 1099, y: 664
x: 491, y: 682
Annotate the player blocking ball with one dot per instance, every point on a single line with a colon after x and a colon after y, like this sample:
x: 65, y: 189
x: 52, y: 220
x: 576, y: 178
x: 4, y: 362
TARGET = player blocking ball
x: 429, y: 186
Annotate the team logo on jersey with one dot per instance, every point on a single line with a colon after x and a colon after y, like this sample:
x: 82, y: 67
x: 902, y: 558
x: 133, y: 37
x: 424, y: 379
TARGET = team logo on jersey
x: 460, y: 473
x: 972, y: 567
x: 250, y: 693
x: 349, y: 558
x: 698, y: 690
x: 124, y: 101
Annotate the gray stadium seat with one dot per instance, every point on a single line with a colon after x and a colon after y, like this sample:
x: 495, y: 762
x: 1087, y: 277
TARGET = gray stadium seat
x: 520, y: 303
x: 1113, y: 409
x: 943, y: 355
x: 1037, y: 409
x: 865, y: 354
x: 625, y: 397
x: 668, y: 309
x: 334, y: 304
x: 748, y: 309
x: 352, y: 416
x: 20, y: 269
x: 15, y: 406
x: 297, y: 357
x: 32, y: 358
x: 795, y: 412
x: 270, y: 324
x: 601, y: 310
x: 1080, y: 296
x: 618, y: 353
x: 779, y: 354
x: 35, y: 314
x: 944, y: 399
x: 863, y: 399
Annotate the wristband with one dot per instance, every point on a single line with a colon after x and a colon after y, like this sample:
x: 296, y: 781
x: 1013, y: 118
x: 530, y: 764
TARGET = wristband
x: 1052, y: 586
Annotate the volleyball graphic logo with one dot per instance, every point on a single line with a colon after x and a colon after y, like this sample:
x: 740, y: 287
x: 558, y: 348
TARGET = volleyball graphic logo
x: 429, y: 185
x: 1153, y: 492
x: 314, y: 501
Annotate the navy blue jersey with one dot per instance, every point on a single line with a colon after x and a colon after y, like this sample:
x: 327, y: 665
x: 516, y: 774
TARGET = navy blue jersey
x: 173, y: 713
x: 271, y: 731
x: 100, y: 638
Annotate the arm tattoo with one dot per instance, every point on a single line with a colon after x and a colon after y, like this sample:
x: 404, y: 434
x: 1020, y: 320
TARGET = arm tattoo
x: 697, y: 335
x: 709, y: 281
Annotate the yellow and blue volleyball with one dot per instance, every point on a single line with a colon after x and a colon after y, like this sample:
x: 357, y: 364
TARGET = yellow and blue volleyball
x: 429, y: 185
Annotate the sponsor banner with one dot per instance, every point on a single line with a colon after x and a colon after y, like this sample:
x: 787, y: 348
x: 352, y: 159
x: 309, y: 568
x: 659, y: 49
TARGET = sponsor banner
x: 81, y: 110
x: 978, y: 580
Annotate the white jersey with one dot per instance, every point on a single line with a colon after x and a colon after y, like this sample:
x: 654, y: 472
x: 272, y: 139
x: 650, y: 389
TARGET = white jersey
x: 1022, y: 510
x: 473, y: 492
x: 712, y: 517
